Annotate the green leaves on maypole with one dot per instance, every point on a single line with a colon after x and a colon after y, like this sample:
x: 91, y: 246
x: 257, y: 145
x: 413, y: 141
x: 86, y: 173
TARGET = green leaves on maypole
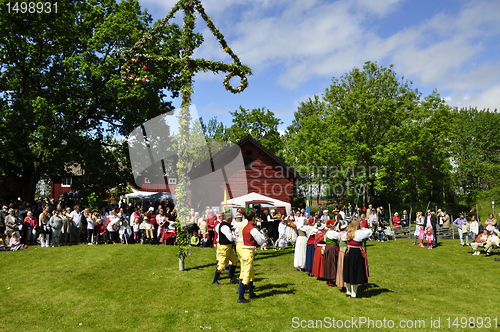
x: 136, y: 70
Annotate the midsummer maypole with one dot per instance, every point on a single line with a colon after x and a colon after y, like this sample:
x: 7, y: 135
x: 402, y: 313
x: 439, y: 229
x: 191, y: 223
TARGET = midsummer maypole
x: 135, y: 71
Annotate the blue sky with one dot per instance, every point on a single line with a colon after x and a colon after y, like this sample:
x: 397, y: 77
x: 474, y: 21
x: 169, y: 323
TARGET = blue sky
x: 295, y: 47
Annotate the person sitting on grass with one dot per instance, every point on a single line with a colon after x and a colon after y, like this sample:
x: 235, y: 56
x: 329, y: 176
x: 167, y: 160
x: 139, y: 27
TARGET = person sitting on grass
x: 480, y: 242
x: 3, y: 245
x: 15, y: 243
x: 195, y: 239
x: 493, y: 241
x: 205, y: 241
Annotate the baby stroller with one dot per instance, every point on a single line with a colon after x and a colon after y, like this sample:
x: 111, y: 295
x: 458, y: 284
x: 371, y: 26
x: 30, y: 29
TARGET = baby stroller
x: 167, y: 236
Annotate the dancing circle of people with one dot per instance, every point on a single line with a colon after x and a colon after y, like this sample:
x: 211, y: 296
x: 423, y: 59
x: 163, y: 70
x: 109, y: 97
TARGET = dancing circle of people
x: 330, y: 250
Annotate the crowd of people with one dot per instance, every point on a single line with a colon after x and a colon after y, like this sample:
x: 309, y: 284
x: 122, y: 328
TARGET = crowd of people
x: 50, y: 223
x: 331, y: 249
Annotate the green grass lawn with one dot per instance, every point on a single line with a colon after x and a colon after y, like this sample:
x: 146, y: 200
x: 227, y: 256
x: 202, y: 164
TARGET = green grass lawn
x: 139, y: 288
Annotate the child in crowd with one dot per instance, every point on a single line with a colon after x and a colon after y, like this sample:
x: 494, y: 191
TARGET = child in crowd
x: 3, y: 246
x: 205, y: 241
x: 429, y: 236
x: 136, y: 228
x: 421, y: 235
x: 419, y: 222
x: 195, y: 239
x: 45, y: 232
x: 15, y: 242
x: 264, y: 232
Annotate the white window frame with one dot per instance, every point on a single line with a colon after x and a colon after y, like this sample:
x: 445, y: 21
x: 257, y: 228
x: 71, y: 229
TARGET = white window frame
x: 66, y: 182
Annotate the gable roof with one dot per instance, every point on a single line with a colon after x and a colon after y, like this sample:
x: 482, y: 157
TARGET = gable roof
x: 229, y: 153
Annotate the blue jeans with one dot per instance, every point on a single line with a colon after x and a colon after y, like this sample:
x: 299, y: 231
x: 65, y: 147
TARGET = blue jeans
x: 380, y: 235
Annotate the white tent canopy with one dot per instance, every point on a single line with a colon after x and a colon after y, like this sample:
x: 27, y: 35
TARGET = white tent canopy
x: 264, y: 201
x: 150, y: 196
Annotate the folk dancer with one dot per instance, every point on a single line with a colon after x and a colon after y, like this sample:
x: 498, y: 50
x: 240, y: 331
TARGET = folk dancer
x: 251, y: 239
x: 225, y: 251
x: 355, y: 262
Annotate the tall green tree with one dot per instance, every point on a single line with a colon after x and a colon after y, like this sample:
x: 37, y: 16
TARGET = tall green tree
x: 62, y: 99
x: 307, y: 147
x: 475, y: 147
x: 373, y: 135
x: 261, y: 123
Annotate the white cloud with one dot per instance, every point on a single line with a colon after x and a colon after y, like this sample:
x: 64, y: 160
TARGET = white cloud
x: 294, y: 41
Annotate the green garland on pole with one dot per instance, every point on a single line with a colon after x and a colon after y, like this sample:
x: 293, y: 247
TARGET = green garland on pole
x: 135, y: 71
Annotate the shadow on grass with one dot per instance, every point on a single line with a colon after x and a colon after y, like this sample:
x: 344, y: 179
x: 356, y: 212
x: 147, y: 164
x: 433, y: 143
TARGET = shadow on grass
x: 274, y: 289
x: 271, y: 254
x: 370, y: 290
x: 201, y: 267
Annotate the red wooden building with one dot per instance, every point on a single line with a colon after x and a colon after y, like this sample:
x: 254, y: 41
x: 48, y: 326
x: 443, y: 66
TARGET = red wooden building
x: 240, y: 169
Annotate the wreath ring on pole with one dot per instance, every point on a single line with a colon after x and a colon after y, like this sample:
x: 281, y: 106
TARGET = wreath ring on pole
x: 243, y: 83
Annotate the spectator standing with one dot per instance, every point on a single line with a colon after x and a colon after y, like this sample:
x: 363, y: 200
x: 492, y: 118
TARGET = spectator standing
x: 431, y: 221
x: 473, y: 228
x: 31, y: 224
x: 461, y: 224
x: 56, y: 223
x: 76, y: 226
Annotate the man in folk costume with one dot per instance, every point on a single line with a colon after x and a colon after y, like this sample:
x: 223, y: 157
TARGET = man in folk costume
x: 225, y: 251
x: 240, y: 224
x: 251, y: 239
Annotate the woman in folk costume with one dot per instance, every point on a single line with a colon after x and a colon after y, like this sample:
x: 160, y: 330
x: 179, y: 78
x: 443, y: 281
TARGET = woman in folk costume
x: 355, y: 261
x: 342, y: 227
x: 299, y: 255
x: 318, y: 269
x: 331, y: 252
x: 311, y: 234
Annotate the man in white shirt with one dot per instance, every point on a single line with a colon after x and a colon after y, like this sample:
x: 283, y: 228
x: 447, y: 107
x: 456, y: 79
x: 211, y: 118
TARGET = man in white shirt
x: 76, y: 219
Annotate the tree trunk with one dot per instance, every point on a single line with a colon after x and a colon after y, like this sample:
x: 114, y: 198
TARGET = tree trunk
x: 370, y: 194
x: 181, y: 263
x: 29, y: 183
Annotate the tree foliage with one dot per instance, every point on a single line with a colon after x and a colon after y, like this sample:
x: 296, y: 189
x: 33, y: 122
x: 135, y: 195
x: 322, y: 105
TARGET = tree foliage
x: 475, y: 147
x: 61, y: 95
x: 372, y: 135
x: 261, y: 123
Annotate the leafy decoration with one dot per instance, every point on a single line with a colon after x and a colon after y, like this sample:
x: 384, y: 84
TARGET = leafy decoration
x: 135, y: 71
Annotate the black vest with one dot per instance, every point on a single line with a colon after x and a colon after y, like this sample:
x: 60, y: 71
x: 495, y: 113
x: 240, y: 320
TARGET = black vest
x: 223, y: 238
